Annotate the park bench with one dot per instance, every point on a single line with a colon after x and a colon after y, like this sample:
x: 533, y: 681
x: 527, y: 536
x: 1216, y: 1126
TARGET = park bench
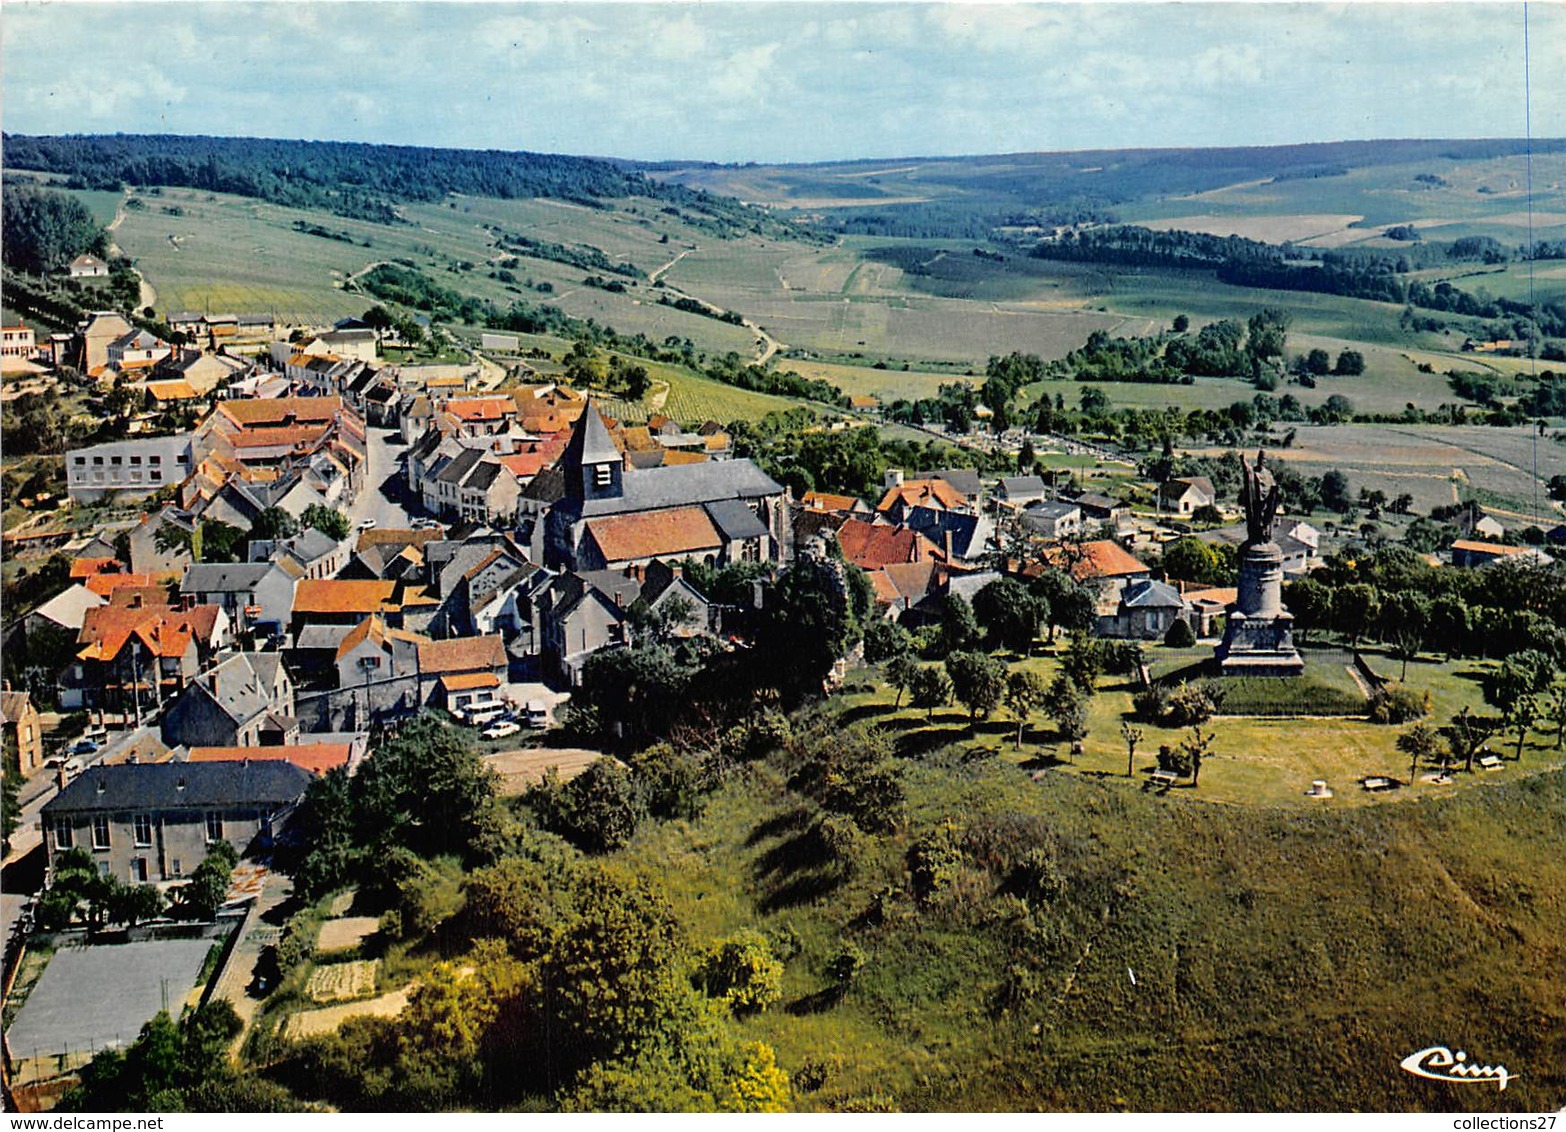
x: 1378, y: 783
x: 1163, y: 778
x: 1490, y: 762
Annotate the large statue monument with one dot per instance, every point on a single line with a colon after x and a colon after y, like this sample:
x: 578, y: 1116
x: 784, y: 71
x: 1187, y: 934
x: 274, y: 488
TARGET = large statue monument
x: 1259, y: 640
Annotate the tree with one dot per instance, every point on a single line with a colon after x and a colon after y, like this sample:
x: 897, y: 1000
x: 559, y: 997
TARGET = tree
x: 1068, y: 707
x: 812, y: 616
x: 931, y: 688
x: 1554, y: 711
x: 427, y: 790
x: 1421, y: 743
x: 1025, y: 694
x: 885, y: 639
x: 274, y: 523
x: 1318, y: 362
x: 134, y: 903
x: 1132, y: 736
x: 1083, y: 663
x: 377, y: 319
x: 218, y: 541
x: 1335, y: 491
x: 1351, y: 363
x: 1521, y: 675
x: 208, y: 887
x: 1520, y: 718
x: 1068, y: 604
x: 597, y: 811
x: 328, y: 520
x: 978, y: 682
x: 1009, y: 614
x: 959, y: 626
x: 1190, y: 559
x: 1195, y: 747
x: 1354, y: 609
x: 1405, y: 621
x: 901, y: 673
x: 1181, y: 324
x: 1465, y: 737
x: 43, y: 230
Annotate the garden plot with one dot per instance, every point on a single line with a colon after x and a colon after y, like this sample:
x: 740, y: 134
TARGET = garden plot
x: 346, y: 933
x: 341, y: 982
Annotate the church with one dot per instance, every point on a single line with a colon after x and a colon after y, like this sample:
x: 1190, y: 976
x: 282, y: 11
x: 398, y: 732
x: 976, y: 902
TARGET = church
x: 610, y: 517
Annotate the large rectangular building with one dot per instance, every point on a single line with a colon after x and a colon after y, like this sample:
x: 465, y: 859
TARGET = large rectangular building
x: 130, y: 467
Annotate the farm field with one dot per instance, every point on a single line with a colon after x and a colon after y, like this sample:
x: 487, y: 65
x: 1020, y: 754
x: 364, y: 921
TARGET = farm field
x: 1437, y: 465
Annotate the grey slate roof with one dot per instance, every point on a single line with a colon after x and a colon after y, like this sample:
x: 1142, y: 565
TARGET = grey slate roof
x: 735, y: 520
x: 175, y: 785
x: 685, y: 485
x: 242, y: 686
x: 1052, y: 509
x: 965, y: 480
x: 310, y: 544
x: 223, y: 577
x: 457, y: 468
x: 590, y: 442
x: 1148, y: 594
x: 322, y: 636
x: 484, y: 475
x: 1021, y: 485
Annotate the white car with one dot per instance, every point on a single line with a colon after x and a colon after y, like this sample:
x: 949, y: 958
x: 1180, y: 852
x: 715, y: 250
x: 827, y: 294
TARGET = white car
x: 501, y: 730
x: 367, y: 524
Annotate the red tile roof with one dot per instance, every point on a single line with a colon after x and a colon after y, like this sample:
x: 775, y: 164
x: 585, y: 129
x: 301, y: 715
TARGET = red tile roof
x: 827, y: 501
x: 317, y: 758
x: 332, y: 595
x: 922, y: 493
x: 462, y: 654
x: 654, y: 534
x: 1101, y: 558
x: 481, y: 408
x: 261, y: 412
x: 871, y: 546
x: 87, y: 567
x: 105, y: 584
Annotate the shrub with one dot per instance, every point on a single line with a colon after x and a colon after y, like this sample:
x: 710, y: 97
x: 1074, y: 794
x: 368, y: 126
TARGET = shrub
x: 1398, y: 703
x: 1151, y: 703
x: 933, y: 861
x: 1192, y: 705
x: 742, y: 973
x: 1180, y: 635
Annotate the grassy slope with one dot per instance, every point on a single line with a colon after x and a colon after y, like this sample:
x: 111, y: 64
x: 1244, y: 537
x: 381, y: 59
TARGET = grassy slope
x: 1285, y: 956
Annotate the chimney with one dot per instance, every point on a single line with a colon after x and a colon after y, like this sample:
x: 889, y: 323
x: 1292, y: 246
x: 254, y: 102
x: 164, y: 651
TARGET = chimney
x: 894, y: 477
x: 947, y: 539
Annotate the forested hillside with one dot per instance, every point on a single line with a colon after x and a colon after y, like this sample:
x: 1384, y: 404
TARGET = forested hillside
x: 349, y: 178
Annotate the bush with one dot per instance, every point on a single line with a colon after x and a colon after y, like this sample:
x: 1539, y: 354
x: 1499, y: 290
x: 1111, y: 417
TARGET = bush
x: 1122, y: 658
x: 1151, y: 703
x: 1180, y: 635
x: 934, y: 860
x: 1398, y: 703
x: 742, y: 973
x: 1192, y: 705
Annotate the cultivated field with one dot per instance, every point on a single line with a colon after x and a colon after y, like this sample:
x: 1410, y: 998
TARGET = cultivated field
x: 523, y: 769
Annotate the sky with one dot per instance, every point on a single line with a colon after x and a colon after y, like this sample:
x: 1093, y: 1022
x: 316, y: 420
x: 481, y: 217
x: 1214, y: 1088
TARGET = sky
x: 806, y: 80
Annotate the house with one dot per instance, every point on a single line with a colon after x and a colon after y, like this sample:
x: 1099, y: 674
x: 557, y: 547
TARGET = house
x: 137, y: 350
x: 372, y: 652
x: 903, y: 586
x: 257, y: 596
x: 333, y: 601
x: 1101, y: 560
x: 1144, y: 610
x: 311, y: 555
x: 1103, y: 509
x: 963, y: 480
x: 1468, y: 552
x: 1299, y: 546
x: 132, y: 467
x: 902, y: 496
x: 956, y: 535
x: 65, y: 611
x: 152, y: 823
x: 23, y: 730
x: 147, y: 556
x: 95, y: 333
x: 87, y: 267
x: 826, y: 502
x: 1186, y: 494
x: 244, y: 700
x: 461, y: 668
x: 1020, y: 490
x: 581, y: 617
x: 1474, y: 523
x: 595, y: 484
x: 136, y: 656
x: 18, y: 342
x: 1053, y: 518
x: 871, y: 546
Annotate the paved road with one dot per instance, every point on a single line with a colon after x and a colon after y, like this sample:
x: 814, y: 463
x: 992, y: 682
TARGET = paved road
x: 385, y: 488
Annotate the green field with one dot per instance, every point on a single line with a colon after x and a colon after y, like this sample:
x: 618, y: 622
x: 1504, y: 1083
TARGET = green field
x: 1201, y: 950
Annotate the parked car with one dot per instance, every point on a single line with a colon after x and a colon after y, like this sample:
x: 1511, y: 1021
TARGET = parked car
x: 426, y: 525
x: 84, y: 746
x: 367, y: 524
x: 535, y: 714
x: 501, y: 729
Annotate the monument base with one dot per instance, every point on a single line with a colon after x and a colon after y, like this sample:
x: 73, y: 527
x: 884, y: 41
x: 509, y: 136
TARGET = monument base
x: 1259, y: 646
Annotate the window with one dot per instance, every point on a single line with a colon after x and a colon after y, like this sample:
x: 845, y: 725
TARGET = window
x: 177, y: 867
x: 214, y: 826
x: 138, y: 870
x: 135, y: 460
x: 64, y: 835
x: 103, y: 868
x: 81, y: 461
x: 115, y: 461
x: 97, y: 461
x: 143, y: 827
x: 100, y: 831
x: 154, y: 460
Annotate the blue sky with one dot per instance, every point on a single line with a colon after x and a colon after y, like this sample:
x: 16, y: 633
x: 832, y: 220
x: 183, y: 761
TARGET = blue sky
x: 797, y: 81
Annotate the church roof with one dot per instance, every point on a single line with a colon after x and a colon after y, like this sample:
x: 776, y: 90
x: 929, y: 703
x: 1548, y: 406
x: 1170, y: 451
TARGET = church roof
x: 590, y: 441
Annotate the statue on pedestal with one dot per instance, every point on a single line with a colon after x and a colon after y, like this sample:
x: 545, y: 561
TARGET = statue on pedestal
x: 1259, y: 497
x: 1259, y: 638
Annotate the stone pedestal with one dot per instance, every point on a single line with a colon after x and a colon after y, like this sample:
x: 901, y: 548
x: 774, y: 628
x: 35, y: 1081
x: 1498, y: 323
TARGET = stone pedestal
x: 1259, y: 639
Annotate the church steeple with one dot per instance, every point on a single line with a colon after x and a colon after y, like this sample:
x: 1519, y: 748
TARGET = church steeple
x: 593, y: 465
